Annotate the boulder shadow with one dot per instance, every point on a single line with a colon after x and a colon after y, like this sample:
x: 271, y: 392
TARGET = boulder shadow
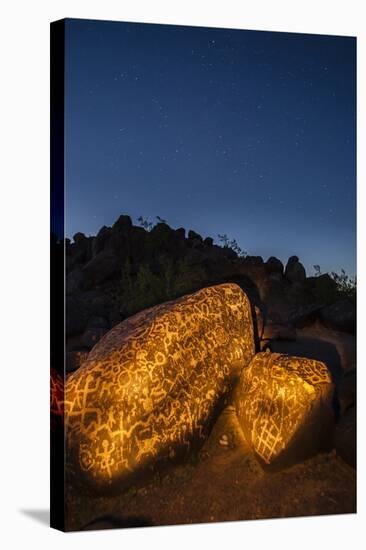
x: 320, y: 350
x: 312, y: 348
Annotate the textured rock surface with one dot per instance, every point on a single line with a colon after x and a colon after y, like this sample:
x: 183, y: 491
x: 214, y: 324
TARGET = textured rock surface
x: 284, y: 406
x: 154, y: 383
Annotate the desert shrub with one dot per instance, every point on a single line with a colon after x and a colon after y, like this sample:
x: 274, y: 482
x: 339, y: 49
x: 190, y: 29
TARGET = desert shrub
x: 168, y: 280
x: 328, y: 288
x: 346, y: 285
x: 145, y: 223
x: 233, y: 244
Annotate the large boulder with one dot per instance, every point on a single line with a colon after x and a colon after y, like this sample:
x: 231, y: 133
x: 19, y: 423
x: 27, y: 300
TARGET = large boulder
x: 304, y: 315
x: 79, y: 251
x: 180, y: 233
x: 119, y: 238
x: 102, y: 240
x: 79, y: 238
x: 124, y: 222
x: 274, y: 266
x: 162, y: 238
x: 295, y: 271
x: 284, y: 407
x: 340, y: 316
x: 322, y: 289
x: 194, y: 236
x: 151, y: 389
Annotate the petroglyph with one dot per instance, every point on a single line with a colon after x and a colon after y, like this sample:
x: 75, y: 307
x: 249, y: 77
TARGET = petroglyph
x: 153, y: 384
x: 278, y: 397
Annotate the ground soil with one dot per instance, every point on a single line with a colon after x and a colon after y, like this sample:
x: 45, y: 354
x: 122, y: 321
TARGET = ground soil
x: 222, y: 483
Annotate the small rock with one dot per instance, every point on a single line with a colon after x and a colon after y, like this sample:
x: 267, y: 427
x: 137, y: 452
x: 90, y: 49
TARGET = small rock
x: 264, y: 345
x: 224, y: 440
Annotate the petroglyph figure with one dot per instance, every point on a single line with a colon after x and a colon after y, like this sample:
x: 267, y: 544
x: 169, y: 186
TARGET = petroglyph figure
x: 282, y: 400
x: 153, y: 385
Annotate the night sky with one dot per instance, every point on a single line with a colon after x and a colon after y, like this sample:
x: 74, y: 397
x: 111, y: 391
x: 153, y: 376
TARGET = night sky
x: 246, y: 133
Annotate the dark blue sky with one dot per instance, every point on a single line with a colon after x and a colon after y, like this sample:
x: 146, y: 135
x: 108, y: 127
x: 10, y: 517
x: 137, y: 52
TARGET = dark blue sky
x: 246, y: 133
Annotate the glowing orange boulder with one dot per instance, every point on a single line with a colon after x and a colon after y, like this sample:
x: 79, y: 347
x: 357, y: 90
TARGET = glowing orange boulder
x: 284, y: 406
x: 153, y: 385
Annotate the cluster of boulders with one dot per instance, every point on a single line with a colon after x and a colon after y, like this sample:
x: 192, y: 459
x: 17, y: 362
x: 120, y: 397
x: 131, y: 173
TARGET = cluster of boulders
x: 284, y: 299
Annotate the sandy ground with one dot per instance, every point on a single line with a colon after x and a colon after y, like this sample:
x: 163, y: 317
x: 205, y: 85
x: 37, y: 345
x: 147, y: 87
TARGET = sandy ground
x: 222, y: 483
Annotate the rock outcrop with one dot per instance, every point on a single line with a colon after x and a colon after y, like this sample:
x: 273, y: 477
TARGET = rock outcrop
x: 340, y: 316
x: 295, y: 271
x: 105, y: 270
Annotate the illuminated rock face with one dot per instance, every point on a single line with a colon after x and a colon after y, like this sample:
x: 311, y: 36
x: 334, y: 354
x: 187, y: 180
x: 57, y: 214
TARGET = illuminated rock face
x: 284, y: 405
x: 152, y: 385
